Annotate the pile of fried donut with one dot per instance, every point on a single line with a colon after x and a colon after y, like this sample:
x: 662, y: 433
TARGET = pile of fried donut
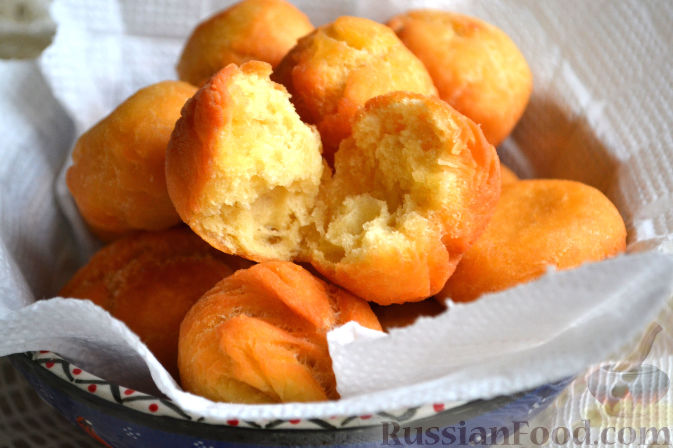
x: 297, y: 178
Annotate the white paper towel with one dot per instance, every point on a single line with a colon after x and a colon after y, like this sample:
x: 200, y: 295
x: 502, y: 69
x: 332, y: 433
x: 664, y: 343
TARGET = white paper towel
x: 600, y: 113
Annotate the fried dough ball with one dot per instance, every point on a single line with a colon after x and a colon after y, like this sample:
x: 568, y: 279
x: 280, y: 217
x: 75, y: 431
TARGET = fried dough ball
x: 538, y: 223
x: 259, y: 336
x: 242, y: 168
x: 262, y: 30
x: 507, y: 176
x: 414, y: 186
x: 475, y: 66
x: 117, y: 178
x: 338, y: 67
x: 405, y: 314
x: 149, y: 281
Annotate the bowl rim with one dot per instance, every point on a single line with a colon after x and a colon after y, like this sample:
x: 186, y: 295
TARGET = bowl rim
x: 36, y: 363
x: 152, y: 405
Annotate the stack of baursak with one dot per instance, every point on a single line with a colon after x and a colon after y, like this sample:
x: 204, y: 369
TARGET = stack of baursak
x: 293, y: 176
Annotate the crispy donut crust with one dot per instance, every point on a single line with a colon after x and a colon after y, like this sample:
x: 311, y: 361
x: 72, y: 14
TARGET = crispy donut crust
x: 259, y: 336
x: 537, y: 224
x: 260, y: 30
x: 507, y: 175
x: 436, y: 165
x: 218, y: 167
x: 117, y: 178
x: 335, y: 69
x: 475, y: 66
x: 149, y: 280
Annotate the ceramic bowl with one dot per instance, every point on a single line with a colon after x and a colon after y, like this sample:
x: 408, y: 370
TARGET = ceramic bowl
x: 117, y: 416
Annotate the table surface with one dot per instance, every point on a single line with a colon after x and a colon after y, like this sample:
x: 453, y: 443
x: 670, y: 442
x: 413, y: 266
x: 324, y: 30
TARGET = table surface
x: 28, y: 422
